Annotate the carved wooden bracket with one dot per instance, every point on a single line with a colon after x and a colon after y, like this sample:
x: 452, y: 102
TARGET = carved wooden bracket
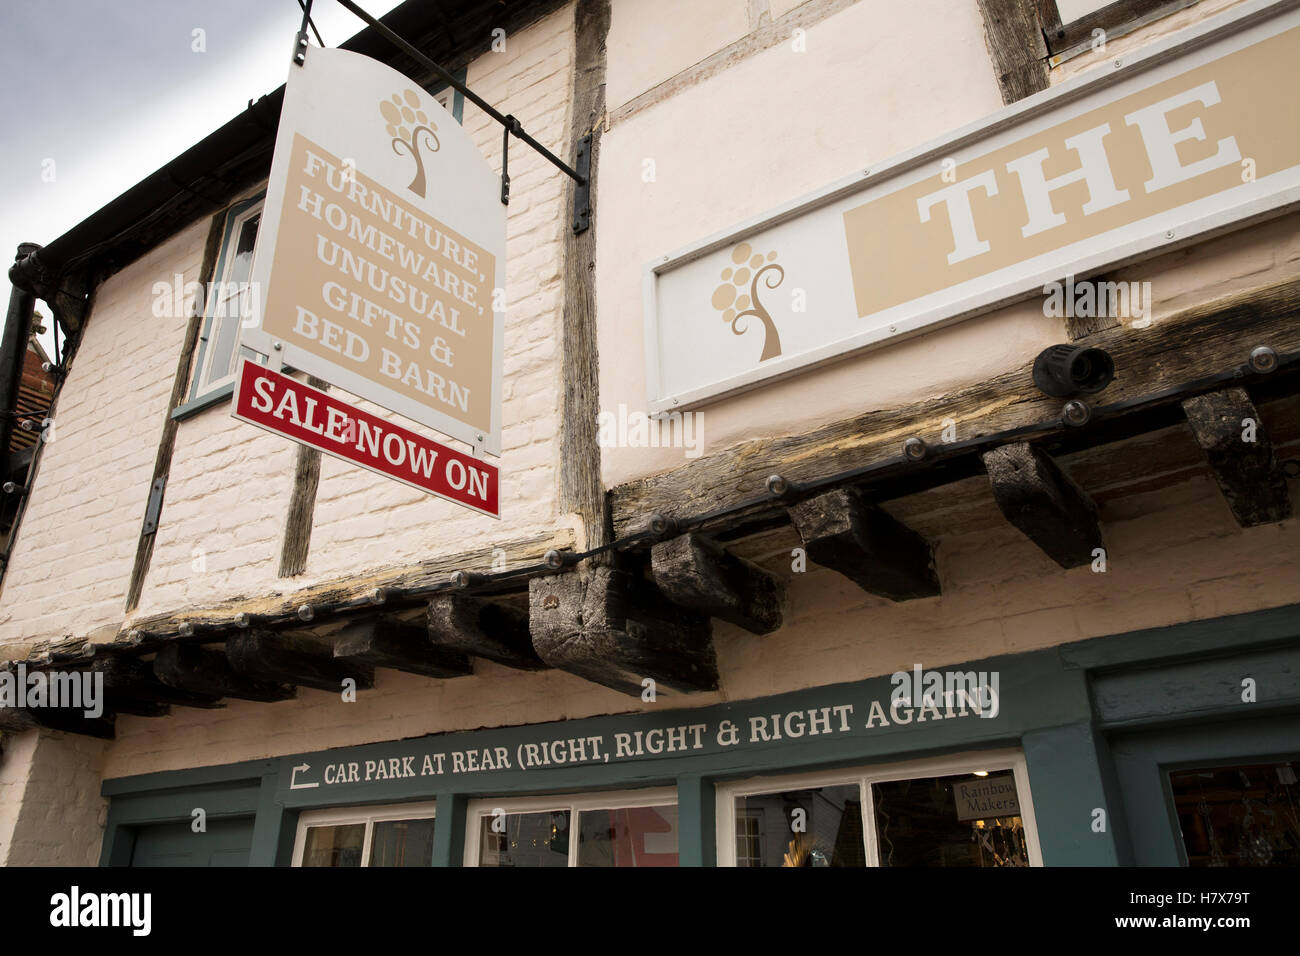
x: 617, y: 629
x: 399, y: 646
x: 844, y: 532
x: 695, y: 571
x: 1041, y: 500
x: 1227, y: 427
x: 192, y: 668
x: 458, y: 622
x: 293, y: 660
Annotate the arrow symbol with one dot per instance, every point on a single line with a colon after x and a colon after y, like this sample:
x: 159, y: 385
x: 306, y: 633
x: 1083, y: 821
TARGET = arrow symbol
x: 293, y: 780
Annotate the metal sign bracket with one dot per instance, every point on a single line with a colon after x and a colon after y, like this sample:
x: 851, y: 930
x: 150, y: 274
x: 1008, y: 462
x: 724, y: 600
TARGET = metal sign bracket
x: 582, y: 187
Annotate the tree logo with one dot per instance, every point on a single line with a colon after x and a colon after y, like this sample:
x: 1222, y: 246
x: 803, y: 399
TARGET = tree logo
x: 736, y: 305
x: 406, y: 121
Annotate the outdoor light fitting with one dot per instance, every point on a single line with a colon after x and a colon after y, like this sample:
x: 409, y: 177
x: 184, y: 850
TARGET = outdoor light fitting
x: 1065, y: 370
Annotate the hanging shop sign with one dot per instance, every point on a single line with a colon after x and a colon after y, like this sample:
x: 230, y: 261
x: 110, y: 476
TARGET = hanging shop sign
x: 1184, y: 141
x: 381, y: 249
x: 283, y: 405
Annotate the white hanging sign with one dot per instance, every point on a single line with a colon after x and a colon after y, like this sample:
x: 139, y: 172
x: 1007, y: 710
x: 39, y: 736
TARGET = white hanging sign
x: 381, y: 250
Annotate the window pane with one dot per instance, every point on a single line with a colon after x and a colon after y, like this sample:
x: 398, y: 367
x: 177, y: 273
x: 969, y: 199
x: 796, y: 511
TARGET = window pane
x: 231, y: 301
x: 962, y: 820
x: 225, y: 334
x: 525, y: 839
x: 402, y: 843
x: 817, y: 827
x: 334, y: 846
x: 631, y: 836
x: 1239, y: 816
x: 242, y: 261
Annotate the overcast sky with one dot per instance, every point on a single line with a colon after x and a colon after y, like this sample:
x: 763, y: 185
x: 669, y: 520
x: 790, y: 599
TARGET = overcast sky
x: 107, y: 91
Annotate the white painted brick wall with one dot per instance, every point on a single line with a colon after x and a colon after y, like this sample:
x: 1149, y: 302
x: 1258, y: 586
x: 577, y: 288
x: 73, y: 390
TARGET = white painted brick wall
x: 51, y: 812
x: 72, y: 562
x: 15, y: 765
x: 230, y: 483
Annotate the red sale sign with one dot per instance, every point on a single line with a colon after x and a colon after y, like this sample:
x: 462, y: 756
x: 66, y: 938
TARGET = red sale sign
x: 295, y: 410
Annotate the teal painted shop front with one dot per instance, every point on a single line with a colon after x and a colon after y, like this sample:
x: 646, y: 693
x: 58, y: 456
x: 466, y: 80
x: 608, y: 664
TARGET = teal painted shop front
x: 1172, y: 746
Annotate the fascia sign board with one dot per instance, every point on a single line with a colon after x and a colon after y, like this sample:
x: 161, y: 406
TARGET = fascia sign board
x: 1196, y: 136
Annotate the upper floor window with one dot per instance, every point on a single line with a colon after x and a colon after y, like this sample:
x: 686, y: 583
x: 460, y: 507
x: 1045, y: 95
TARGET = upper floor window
x: 1071, y: 27
x: 228, y: 302
x: 450, y: 98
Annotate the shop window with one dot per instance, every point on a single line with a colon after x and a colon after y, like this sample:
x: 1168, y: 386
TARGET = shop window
x: 229, y: 300
x: 1246, y: 815
x: 972, y: 810
x: 749, y: 837
x: 816, y: 826
x: 617, y: 829
x: 366, y: 836
x: 916, y: 824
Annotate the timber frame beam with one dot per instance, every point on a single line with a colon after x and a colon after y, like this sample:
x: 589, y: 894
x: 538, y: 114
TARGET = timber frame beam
x: 1204, y: 369
x: 1228, y: 428
x: 843, y: 531
x: 189, y: 667
x: 615, y: 628
x: 1013, y: 30
x: 1194, y: 352
x: 180, y: 382
x: 400, y: 646
x: 270, y: 656
x: 1044, y: 504
x: 696, y: 572
x: 467, y: 625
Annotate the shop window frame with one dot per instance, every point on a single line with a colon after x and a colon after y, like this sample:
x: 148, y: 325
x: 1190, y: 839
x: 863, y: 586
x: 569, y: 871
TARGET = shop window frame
x: 1145, y: 757
x: 368, y: 815
x: 994, y: 761
x: 477, y: 810
x: 757, y: 835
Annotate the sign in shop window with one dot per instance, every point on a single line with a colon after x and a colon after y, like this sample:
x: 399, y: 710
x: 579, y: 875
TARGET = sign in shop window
x: 972, y: 811
x: 610, y: 830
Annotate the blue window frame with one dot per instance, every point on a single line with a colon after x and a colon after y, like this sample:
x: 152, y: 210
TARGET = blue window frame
x: 452, y: 100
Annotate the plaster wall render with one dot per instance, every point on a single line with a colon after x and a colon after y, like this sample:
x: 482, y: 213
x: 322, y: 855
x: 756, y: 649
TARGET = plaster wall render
x: 777, y: 125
